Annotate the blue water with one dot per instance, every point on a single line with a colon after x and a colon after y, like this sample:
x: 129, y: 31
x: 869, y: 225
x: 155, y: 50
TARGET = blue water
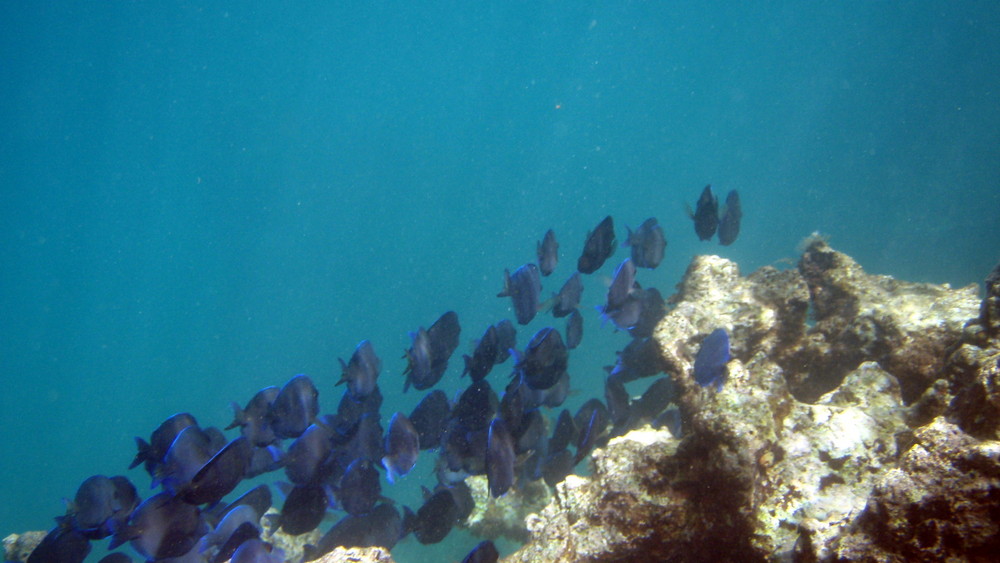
x: 202, y: 199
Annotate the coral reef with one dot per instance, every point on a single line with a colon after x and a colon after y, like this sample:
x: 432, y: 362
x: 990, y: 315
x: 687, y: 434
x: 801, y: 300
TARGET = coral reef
x: 17, y: 547
x: 870, y: 434
x: 504, y: 516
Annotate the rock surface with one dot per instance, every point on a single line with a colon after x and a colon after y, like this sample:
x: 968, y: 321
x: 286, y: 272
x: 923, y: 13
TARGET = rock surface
x: 868, y: 435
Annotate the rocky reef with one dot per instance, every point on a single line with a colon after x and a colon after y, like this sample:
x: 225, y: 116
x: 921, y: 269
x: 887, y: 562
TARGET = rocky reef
x: 859, y: 420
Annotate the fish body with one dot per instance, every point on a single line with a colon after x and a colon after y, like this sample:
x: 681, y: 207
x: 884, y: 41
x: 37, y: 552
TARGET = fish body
x: 568, y: 298
x: 598, y: 247
x: 402, y: 444
x: 548, y: 253
x: 710, y: 362
x: 706, y: 214
x: 648, y: 244
x: 362, y: 370
x: 523, y: 287
x: 729, y: 222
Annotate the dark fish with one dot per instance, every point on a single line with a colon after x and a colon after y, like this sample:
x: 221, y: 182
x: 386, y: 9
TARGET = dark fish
x: 671, y: 420
x: 564, y: 433
x: 230, y: 523
x: 93, y: 507
x: 532, y: 434
x: 366, y: 442
x: 443, y: 336
x: 258, y: 498
x: 303, y: 510
x: 568, y: 298
x: 574, y: 329
x: 623, y: 306
x: 264, y: 460
x: 523, y: 287
x: 553, y: 396
x: 418, y: 368
x: 710, y: 362
x: 153, y: 452
x: 506, y: 339
x: 352, y: 408
x: 478, y: 365
x: 163, y: 526
x: 382, y: 527
x: 556, y: 466
x: 114, y: 557
x: 61, y: 545
x: 252, y: 419
x: 548, y: 253
x: 191, y: 449
x: 220, y: 475
x: 706, y: 214
x: 362, y: 370
x: 429, y: 417
x: 257, y: 551
x: 544, y: 360
x: 484, y: 552
x: 640, y: 358
x: 598, y: 247
x: 617, y: 399
x: 294, y: 408
x: 304, y: 462
x: 434, y: 519
x: 499, y: 459
x: 592, y: 420
x: 652, y: 308
x: 648, y: 244
x: 245, y: 532
x: 729, y: 223
x: 475, y: 406
x: 402, y: 444
x: 654, y: 400
x: 360, y: 488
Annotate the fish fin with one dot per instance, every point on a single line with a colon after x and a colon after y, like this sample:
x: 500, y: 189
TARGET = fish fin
x: 688, y: 210
x: 505, y: 292
x: 239, y: 418
x: 143, y: 453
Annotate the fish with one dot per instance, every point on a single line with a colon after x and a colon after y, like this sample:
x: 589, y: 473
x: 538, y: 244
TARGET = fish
x: 648, y: 244
x: 729, y: 222
x: 706, y: 214
x: 253, y: 421
x: 257, y: 551
x: 418, y: 369
x: 382, y: 527
x: 306, y: 456
x: 544, y: 360
x: 113, y: 557
x: 484, y: 552
x: 152, y: 453
x: 243, y: 533
x: 617, y: 399
x: 598, y: 247
x: 294, y: 408
x: 499, y: 459
x: 434, y: 519
x: 523, y: 287
x: 360, y: 487
x: 162, y: 526
x: 532, y: 433
x: 548, y: 253
x: 189, y: 452
x: 574, y: 329
x: 362, y: 370
x: 654, y: 400
x: 479, y: 365
x: 402, y: 445
x: 443, y: 335
x: 429, y: 417
x: 564, y: 432
x: 258, y: 498
x: 351, y: 408
x: 652, y: 308
x: 61, y: 545
x: 640, y: 358
x: 475, y: 406
x: 231, y: 521
x: 591, y: 419
x: 621, y: 292
x: 99, y: 505
x: 568, y: 298
x: 556, y: 466
x: 219, y: 475
x: 711, y: 359
x: 304, y: 509
x: 506, y: 340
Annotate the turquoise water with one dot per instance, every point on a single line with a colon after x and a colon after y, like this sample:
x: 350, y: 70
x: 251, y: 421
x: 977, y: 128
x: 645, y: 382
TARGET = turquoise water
x: 199, y: 200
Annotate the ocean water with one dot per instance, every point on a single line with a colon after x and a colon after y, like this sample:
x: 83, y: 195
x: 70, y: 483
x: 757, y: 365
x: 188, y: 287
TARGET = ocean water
x: 201, y: 199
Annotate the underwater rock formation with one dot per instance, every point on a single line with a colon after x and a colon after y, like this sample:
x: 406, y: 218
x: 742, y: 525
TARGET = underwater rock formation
x: 870, y: 435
